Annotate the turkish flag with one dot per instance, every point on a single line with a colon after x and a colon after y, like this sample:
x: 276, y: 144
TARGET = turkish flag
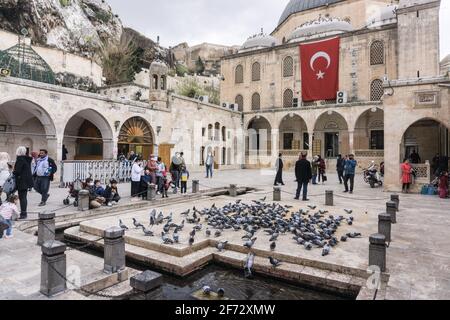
x: 320, y: 70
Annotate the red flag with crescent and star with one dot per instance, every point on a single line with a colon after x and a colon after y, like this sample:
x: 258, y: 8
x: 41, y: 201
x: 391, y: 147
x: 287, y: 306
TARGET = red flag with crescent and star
x: 320, y: 70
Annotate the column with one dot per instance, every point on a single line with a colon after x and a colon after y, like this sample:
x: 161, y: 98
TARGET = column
x: 351, y: 140
x: 310, y: 151
x: 275, y: 144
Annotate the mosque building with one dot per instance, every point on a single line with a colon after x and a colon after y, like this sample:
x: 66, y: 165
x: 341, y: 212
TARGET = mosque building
x: 334, y: 77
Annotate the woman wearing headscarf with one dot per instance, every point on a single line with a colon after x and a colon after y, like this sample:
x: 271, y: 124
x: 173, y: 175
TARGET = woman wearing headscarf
x: 24, y: 179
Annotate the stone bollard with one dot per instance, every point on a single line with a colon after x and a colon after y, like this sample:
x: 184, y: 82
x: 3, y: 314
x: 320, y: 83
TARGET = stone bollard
x: 146, y: 281
x: 195, y: 186
x: 384, y: 225
x: 151, y: 192
x: 377, y: 251
x: 53, y: 268
x: 391, y: 209
x: 46, y: 227
x: 329, y: 198
x: 83, y: 200
x: 276, y: 194
x: 396, y: 198
x: 233, y: 190
x: 114, y: 250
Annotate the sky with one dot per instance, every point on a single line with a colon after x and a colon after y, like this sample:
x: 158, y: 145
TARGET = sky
x: 227, y: 22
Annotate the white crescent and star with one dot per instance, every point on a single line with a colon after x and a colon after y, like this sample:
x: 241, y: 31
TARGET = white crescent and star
x: 317, y: 55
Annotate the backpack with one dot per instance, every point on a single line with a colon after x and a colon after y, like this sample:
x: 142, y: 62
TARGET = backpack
x: 10, y: 185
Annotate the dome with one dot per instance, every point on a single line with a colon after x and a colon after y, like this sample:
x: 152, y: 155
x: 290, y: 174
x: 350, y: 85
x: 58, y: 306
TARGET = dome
x: 321, y: 27
x: 158, y: 66
x: 295, y: 6
x: 259, y: 41
x: 385, y: 15
x: 23, y: 62
x: 446, y: 60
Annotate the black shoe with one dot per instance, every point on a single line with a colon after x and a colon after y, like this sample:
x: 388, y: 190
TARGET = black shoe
x: 296, y: 198
x: 42, y: 204
x: 345, y: 191
x: 305, y: 200
x: 22, y: 218
x: 351, y: 192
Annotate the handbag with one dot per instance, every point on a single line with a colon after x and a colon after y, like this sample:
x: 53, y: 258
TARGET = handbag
x: 10, y: 185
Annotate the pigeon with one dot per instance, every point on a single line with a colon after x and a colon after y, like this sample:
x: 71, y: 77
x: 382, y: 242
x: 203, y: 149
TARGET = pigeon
x: 274, y: 237
x: 274, y: 262
x: 273, y: 246
x: 249, y: 244
x: 221, y: 245
x: 122, y: 225
x: 312, y: 207
x: 192, y: 233
x: 198, y: 227
x: 248, y: 265
x: 166, y: 239
x: 220, y: 292
x: 308, y: 245
x: 217, y: 234
x: 176, y: 237
x: 326, y: 250
x: 191, y: 241
x: 159, y: 219
x: 208, y: 232
x: 136, y: 224
x: 185, y: 213
x: 147, y: 233
x: 238, y: 201
x: 344, y: 238
x: 206, y: 290
x: 349, y: 211
x: 353, y: 235
x: 263, y: 199
x: 349, y: 222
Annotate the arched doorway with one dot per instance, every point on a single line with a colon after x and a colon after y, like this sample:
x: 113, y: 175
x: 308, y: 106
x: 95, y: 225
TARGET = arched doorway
x: 331, y: 136
x: 88, y: 136
x: 136, y: 135
x: 23, y: 122
x: 369, y: 130
x: 426, y: 138
x: 294, y: 136
x: 258, y: 144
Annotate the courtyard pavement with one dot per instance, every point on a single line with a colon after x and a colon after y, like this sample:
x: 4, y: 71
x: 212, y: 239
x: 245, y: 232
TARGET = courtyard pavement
x: 418, y: 258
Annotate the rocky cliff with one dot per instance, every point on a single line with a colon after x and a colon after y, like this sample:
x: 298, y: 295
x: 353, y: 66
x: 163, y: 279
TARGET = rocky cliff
x: 71, y: 25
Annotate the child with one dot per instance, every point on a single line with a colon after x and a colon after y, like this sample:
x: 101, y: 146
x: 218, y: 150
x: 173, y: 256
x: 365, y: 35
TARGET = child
x: 146, y: 179
x: 111, y: 193
x: 184, y: 179
x: 99, y: 190
x: 443, y: 185
x: 166, y: 184
x: 7, y: 210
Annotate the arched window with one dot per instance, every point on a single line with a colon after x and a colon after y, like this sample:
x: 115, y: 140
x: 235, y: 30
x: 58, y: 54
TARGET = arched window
x: 376, y: 90
x: 155, y: 82
x: 239, y: 74
x: 240, y: 102
x: 288, y: 67
x: 217, y: 131
x: 377, y: 53
x: 224, y: 134
x: 288, y: 98
x: 210, y: 132
x: 163, y: 82
x: 256, y: 101
x: 256, y: 71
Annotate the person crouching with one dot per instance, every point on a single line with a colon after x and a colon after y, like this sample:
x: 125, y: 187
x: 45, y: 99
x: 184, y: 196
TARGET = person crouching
x: 95, y: 201
x: 111, y: 193
x: 7, y: 212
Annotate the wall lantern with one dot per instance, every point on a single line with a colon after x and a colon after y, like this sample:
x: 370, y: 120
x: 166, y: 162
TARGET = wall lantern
x: 158, y: 130
x: 116, y: 125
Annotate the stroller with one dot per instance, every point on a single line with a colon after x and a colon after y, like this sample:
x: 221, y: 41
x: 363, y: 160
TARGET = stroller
x: 74, y: 188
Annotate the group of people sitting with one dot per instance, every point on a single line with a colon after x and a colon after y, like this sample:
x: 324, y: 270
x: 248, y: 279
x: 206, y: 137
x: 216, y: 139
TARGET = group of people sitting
x: 99, y: 196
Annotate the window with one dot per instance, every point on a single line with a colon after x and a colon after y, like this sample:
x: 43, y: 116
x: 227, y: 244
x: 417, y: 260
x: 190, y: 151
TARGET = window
x: 288, y: 141
x: 376, y: 90
x: 288, y: 67
x: 305, y: 141
x: 288, y: 98
x: 377, y: 53
x: 239, y: 74
x: 163, y: 82
x: 256, y: 101
x: 224, y: 135
x: 377, y: 140
x: 240, y: 102
x: 155, y: 82
x: 256, y: 71
x: 203, y: 132
x: 210, y: 132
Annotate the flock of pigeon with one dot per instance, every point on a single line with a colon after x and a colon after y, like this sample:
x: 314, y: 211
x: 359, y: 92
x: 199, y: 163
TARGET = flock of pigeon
x: 309, y: 228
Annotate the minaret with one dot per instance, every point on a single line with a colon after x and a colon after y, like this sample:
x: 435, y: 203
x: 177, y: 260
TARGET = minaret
x: 158, y: 83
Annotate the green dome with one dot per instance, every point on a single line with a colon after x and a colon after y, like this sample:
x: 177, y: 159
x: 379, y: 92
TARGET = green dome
x: 23, y: 62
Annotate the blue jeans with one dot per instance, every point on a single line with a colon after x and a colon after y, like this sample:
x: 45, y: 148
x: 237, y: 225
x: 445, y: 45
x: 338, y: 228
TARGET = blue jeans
x: 9, y: 230
x: 300, y: 186
x: 314, y: 178
x: 209, y: 170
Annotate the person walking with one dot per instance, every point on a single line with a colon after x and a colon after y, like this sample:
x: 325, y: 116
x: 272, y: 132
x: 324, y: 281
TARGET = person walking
x: 303, y: 174
x: 443, y: 185
x: 4, y: 171
x: 175, y: 169
x: 350, y: 170
x: 209, y: 165
x: 42, y: 173
x: 136, y: 173
x: 406, y: 175
x: 24, y: 179
x: 340, y: 168
x: 279, y: 167
x: 315, y: 169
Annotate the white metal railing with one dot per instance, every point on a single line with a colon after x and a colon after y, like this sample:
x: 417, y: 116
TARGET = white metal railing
x: 369, y: 153
x: 423, y: 172
x: 103, y: 170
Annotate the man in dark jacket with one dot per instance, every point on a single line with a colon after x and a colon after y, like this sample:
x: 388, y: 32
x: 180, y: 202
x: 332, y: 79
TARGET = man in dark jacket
x: 279, y: 167
x: 24, y: 179
x: 303, y: 173
x: 340, y: 168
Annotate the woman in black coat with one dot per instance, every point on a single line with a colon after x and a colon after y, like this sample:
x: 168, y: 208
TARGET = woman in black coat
x: 24, y: 179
